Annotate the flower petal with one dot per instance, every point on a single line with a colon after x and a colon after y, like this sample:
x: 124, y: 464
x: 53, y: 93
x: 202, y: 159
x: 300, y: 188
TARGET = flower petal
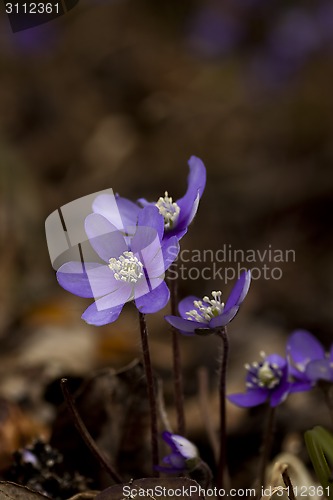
x: 224, y: 318
x: 300, y: 386
x: 196, y: 183
x: 185, y: 326
x: 279, y: 394
x: 96, y: 317
x: 153, y: 301
x: 303, y: 347
x: 104, y: 237
x: 170, y: 249
x: 150, y: 216
x: 319, y: 369
x: 72, y: 276
x: 187, y: 305
x: 119, y: 211
x: 102, y: 280
x: 239, y: 291
x: 129, y: 211
x: 253, y: 397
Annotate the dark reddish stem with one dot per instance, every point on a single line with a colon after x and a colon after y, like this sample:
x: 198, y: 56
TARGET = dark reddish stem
x: 151, y: 390
x: 85, y: 434
x: 223, y: 427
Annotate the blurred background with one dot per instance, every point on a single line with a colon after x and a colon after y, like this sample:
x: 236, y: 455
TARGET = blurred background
x: 119, y: 94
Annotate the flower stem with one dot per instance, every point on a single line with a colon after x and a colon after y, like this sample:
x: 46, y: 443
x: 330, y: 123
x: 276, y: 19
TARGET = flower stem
x: 85, y: 434
x: 223, y: 430
x: 266, y: 447
x: 151, y: 390
x: 177, y: 371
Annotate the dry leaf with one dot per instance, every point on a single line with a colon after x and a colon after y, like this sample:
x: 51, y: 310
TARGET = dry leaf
x: 167, y: 488
x: 12, y: 491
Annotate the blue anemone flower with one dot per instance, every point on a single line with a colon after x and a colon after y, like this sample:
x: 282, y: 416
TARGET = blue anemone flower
x: 265, y: 380
x: 131, y: 269
x: 207, y: 315
x: 184, y: 455
x: 308, y: 360
x: 177, y: 215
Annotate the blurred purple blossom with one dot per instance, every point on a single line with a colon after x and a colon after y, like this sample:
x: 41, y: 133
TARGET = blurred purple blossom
x: 206, y: 315
x: 133, y: 268
x: 184, y: 455
x: 265, y: 380
x: 308, y: 360
x: 212, y: 32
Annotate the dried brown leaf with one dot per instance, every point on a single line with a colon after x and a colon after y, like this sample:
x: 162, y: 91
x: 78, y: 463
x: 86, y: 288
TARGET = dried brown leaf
x: 169, y: 488
x: 12, y: 491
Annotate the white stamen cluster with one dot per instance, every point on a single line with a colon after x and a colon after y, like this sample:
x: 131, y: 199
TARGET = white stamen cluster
x: 127, y: 268
x: 168, y: 209
x: 264, y: 374
x: 203, y: 312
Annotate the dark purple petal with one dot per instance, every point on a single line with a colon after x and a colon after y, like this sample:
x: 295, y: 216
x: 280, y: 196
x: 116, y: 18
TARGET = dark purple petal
x: 331, y: 353
x: 167, y: 437
x: 150, y: 217
x: 72, y: 276
x: 253, y: 397
x: 170, y: 249
x: 153, y: 301
x: 276, y: 359
x: 104, y: 237
x: 186, y: 327
x: 196, y: 183
x: 187, y: 305
x: 144, y: 203
x: 303, y: 347
x: 300, y: 386
x: 129, y: 211
x: 239, y: 291
x: 279, y: 394
x: 224, y: 318
x: 103, y: 317
x: 320, y: 369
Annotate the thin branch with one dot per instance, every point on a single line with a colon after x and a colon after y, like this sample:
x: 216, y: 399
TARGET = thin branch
x: 85, y: 434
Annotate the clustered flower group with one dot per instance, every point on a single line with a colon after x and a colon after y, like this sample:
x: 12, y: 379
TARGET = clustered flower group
x: 135, y: 244
x: 274, y: 377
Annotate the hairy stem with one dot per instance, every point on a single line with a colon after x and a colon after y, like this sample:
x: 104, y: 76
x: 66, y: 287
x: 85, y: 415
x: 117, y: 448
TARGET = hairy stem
x: 85, y: 434
x: 151, y: 391
x: 221, y: 472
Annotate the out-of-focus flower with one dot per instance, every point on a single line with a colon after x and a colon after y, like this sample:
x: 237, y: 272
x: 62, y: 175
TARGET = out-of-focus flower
x: 133, y: 268
x: 207, y: 315
x: 184, y: 456
x: 177, y: 215
x: 213, y: 33
x: 308, y: 360
x: 265, y: 380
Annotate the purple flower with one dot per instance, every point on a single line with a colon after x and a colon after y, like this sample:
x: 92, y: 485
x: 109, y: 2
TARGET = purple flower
x: 308, y: 361
x: 177, y: 215
x: 184, y: 456
x: 266, y: 380
x: 132, y: 269
x: 207, y: 315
